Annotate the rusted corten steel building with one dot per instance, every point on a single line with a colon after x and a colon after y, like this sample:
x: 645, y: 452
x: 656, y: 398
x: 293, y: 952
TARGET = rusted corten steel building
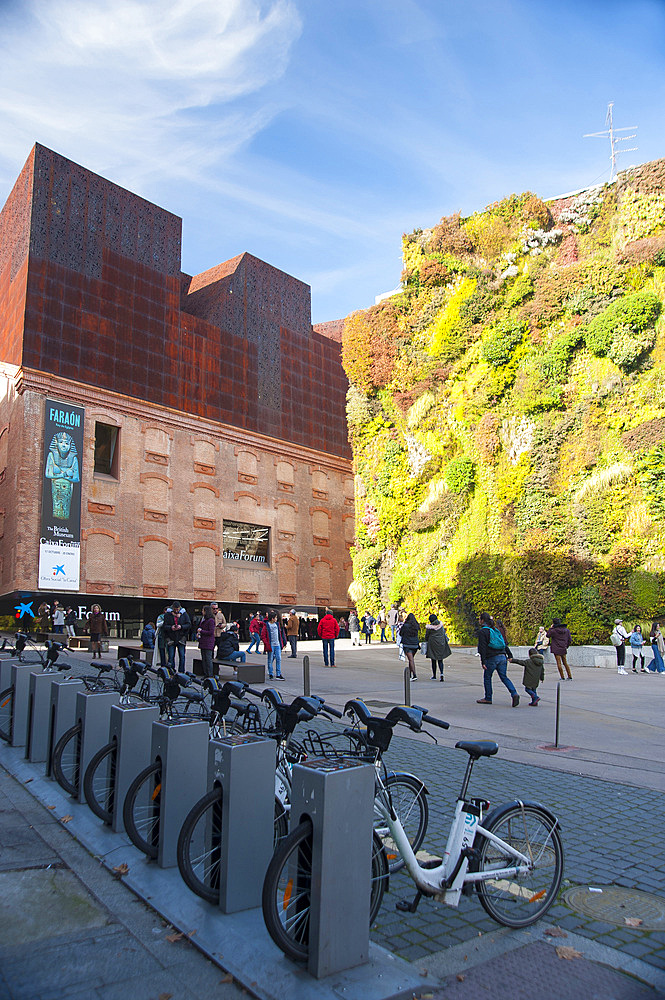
x: 212, y: 458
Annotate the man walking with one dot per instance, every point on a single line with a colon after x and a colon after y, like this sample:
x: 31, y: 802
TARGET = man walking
x: 328, y: 630
x: 292, y: 632
x: 494, y: 654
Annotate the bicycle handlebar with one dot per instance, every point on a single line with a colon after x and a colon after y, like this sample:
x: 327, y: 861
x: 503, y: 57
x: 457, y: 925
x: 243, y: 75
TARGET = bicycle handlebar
x: 436, y: 722
x: 332, y: 711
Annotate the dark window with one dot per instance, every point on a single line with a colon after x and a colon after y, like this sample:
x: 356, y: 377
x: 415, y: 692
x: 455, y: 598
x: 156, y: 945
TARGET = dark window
x: 246, y: 542
x: 106, y: 449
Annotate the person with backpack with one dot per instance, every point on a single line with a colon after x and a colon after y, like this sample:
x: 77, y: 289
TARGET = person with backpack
x: 618, y: 640
x: 176, y: 627
x: 494, y: 652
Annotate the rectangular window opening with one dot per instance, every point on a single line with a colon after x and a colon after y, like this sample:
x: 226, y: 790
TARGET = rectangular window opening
x: 107, y: 450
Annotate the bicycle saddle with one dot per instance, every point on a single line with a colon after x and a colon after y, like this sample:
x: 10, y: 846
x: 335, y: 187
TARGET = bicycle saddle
x: 482, y: 748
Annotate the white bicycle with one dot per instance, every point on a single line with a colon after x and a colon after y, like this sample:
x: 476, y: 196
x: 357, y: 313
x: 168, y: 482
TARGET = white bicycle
x: 512, y: 858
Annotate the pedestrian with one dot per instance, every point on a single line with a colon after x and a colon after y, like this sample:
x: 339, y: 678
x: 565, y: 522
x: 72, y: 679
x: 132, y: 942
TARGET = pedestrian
x: 409, y: 637
x: 369, y: 621
x: 657, y: 648
x: 96, y: 627
x: 44, y: 618
x: 542, y: 642
x: 148, y: 636
x: 206, y: 637
x: 176, y: 627
x: 220, y: 621
x: 354, y: 628
x: 560, y: 639
x: 255, y: 626
x: 534, y: 673
x: 437, y: 647
x: 292, y: 632
x: 494, y: 652
x: 382, y: 623
x: 58, y: 618
x: 161, y: 636
x: 271, y: 636
x: 228, y: 645
x: 637, y: 647
x: 618, y: 640
x: 393, y: 619
x: 328, y: 630
x: 343, y: 628
x: 70, y: 623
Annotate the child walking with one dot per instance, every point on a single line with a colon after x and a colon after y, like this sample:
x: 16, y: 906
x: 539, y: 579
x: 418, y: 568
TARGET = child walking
x: 534, y: 672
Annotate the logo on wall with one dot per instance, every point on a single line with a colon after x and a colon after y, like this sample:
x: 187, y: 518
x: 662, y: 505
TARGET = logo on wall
x: 60, y: 541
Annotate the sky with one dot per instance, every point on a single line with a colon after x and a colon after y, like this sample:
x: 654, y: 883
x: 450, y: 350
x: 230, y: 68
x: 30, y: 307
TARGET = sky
x: 313, y: 133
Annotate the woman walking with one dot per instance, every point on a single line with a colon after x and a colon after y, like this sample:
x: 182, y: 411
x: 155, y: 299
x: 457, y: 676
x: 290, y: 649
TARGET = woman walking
x: 560, y: 639
x: 437, y: 645
x: 206, y: 637
x: 97, y: 627
x: 637, y: 647
x: 369, y: 621
x: 410, y: 642
x: 354, y: 628
x: 657, y: 648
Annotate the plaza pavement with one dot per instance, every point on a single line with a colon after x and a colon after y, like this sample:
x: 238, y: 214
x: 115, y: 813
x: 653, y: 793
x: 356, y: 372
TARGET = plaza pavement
x: 606, y: 789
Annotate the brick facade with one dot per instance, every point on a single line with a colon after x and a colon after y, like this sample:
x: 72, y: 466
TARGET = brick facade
x: 215, y: 382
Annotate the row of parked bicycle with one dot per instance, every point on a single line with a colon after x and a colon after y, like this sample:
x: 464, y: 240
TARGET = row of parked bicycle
x: 512, y: 858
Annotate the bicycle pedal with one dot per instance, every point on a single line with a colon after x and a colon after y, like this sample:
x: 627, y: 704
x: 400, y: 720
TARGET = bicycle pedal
x: 406, y: 906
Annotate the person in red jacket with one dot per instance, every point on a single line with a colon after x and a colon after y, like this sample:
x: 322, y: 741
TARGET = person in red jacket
x: 255, y: 627
x: 328, y: 630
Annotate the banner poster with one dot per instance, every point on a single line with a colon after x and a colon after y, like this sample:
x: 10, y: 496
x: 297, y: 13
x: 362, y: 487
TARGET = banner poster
x: 60, y: 539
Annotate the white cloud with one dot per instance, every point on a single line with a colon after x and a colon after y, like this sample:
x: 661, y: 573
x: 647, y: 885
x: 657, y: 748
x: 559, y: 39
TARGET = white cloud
x: 140, y: 87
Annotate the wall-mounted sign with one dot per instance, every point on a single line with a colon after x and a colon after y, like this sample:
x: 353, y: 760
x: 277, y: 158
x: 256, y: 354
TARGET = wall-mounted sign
x: 247, y: 542
x: 60, y: 540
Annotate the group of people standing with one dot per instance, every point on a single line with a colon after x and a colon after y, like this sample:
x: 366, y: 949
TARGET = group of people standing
x: 639, y: 644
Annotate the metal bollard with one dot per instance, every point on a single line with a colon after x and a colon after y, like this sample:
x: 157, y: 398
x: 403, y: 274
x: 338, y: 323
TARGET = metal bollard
x: 21, y: 683
x: 131, y: 728
x: 338, y: 797
x: 93, y: 711
x: 305, y: 676
x: 39, y: 710
x: 407, y: 685
x: 238, y: 764
x: 182, y: 747
x: 62, y: 712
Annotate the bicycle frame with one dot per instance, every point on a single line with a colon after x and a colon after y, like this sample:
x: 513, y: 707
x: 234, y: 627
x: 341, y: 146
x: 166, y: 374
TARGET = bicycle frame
x: 445, y: 883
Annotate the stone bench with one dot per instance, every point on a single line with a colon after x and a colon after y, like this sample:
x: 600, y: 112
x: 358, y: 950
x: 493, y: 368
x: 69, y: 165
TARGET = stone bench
x: 251, y: 672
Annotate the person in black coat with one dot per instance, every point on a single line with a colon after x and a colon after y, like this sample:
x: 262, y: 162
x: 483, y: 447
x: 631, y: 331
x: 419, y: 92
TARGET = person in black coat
x: 408, y: 636
x: 177, y: 624
x: 228, y: 646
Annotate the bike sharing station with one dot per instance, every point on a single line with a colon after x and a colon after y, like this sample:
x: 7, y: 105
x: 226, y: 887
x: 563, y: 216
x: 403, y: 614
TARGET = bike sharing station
x: 39, y: 710
x: 62, y: 711
x: 131, y: 730
x: 342, y: 960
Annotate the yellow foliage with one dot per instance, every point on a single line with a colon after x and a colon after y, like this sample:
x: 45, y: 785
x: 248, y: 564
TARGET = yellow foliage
x: 446, y: 326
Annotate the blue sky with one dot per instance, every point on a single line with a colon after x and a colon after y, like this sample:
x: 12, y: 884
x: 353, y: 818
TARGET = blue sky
x: 312, y: 133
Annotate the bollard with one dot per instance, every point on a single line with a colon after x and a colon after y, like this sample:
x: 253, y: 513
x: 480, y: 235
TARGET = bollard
x: 39, y: 712
x: 21, y: 683
x: 338, y: 798
x: 558, y: 710
x: 181, y: 745
x: 62, y: 714
x: 93, y: 711
x: 305, y: 676
x: 131, y: 728
x: 239, y: 763
x: 407, y: 685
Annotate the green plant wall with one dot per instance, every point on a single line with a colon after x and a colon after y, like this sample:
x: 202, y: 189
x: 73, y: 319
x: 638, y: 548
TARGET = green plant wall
x: 507, y: 415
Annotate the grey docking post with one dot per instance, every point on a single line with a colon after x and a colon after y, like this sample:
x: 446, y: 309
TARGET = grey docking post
x: 93, y: 710
x: 131, y: 728
x: 20, y: 709
x: 338, y: 797
x: 39, y: 712
x: 62, y: 713
x: 181, y: 745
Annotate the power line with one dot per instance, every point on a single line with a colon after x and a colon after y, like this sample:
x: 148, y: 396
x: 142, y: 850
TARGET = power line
x: 611, y: 133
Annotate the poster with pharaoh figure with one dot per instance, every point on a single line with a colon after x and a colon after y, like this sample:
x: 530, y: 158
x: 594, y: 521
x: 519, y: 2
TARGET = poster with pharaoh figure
x: 60, y: 540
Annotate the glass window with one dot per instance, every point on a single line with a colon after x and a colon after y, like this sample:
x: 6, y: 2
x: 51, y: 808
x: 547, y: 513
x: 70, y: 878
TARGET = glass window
x: 247, y: 542
x: 106, y: 449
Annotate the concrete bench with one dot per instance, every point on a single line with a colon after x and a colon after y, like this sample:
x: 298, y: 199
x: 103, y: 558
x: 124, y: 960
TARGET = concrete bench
x: 251, y: 672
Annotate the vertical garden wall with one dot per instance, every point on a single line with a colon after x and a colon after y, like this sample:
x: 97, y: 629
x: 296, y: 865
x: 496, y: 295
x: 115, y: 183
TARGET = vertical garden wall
x: 507, y: 416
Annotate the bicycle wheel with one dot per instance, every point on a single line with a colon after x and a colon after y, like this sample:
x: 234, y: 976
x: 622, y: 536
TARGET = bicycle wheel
x: 287, y: 888
x: 7, y: 714
x: 409, y: 800
x: 522, y: 899
x: 99, y: 782
x: 199, y: 846
x: 66, y: 760
x: 141, y: 809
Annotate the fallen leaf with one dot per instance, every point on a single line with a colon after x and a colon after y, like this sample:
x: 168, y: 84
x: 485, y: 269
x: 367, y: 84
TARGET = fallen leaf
x: 632, y: 921
x: 174, y: 937
x: 191, y: 933
x: 555, y: 932
x: 50, y: 807
x: 28, y: 780
x: 460, y: 978
x: 228, y: 978
x: 66, y: 819
x: 565, y: 951
x: 165, y: 996
x: 121, y: 869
